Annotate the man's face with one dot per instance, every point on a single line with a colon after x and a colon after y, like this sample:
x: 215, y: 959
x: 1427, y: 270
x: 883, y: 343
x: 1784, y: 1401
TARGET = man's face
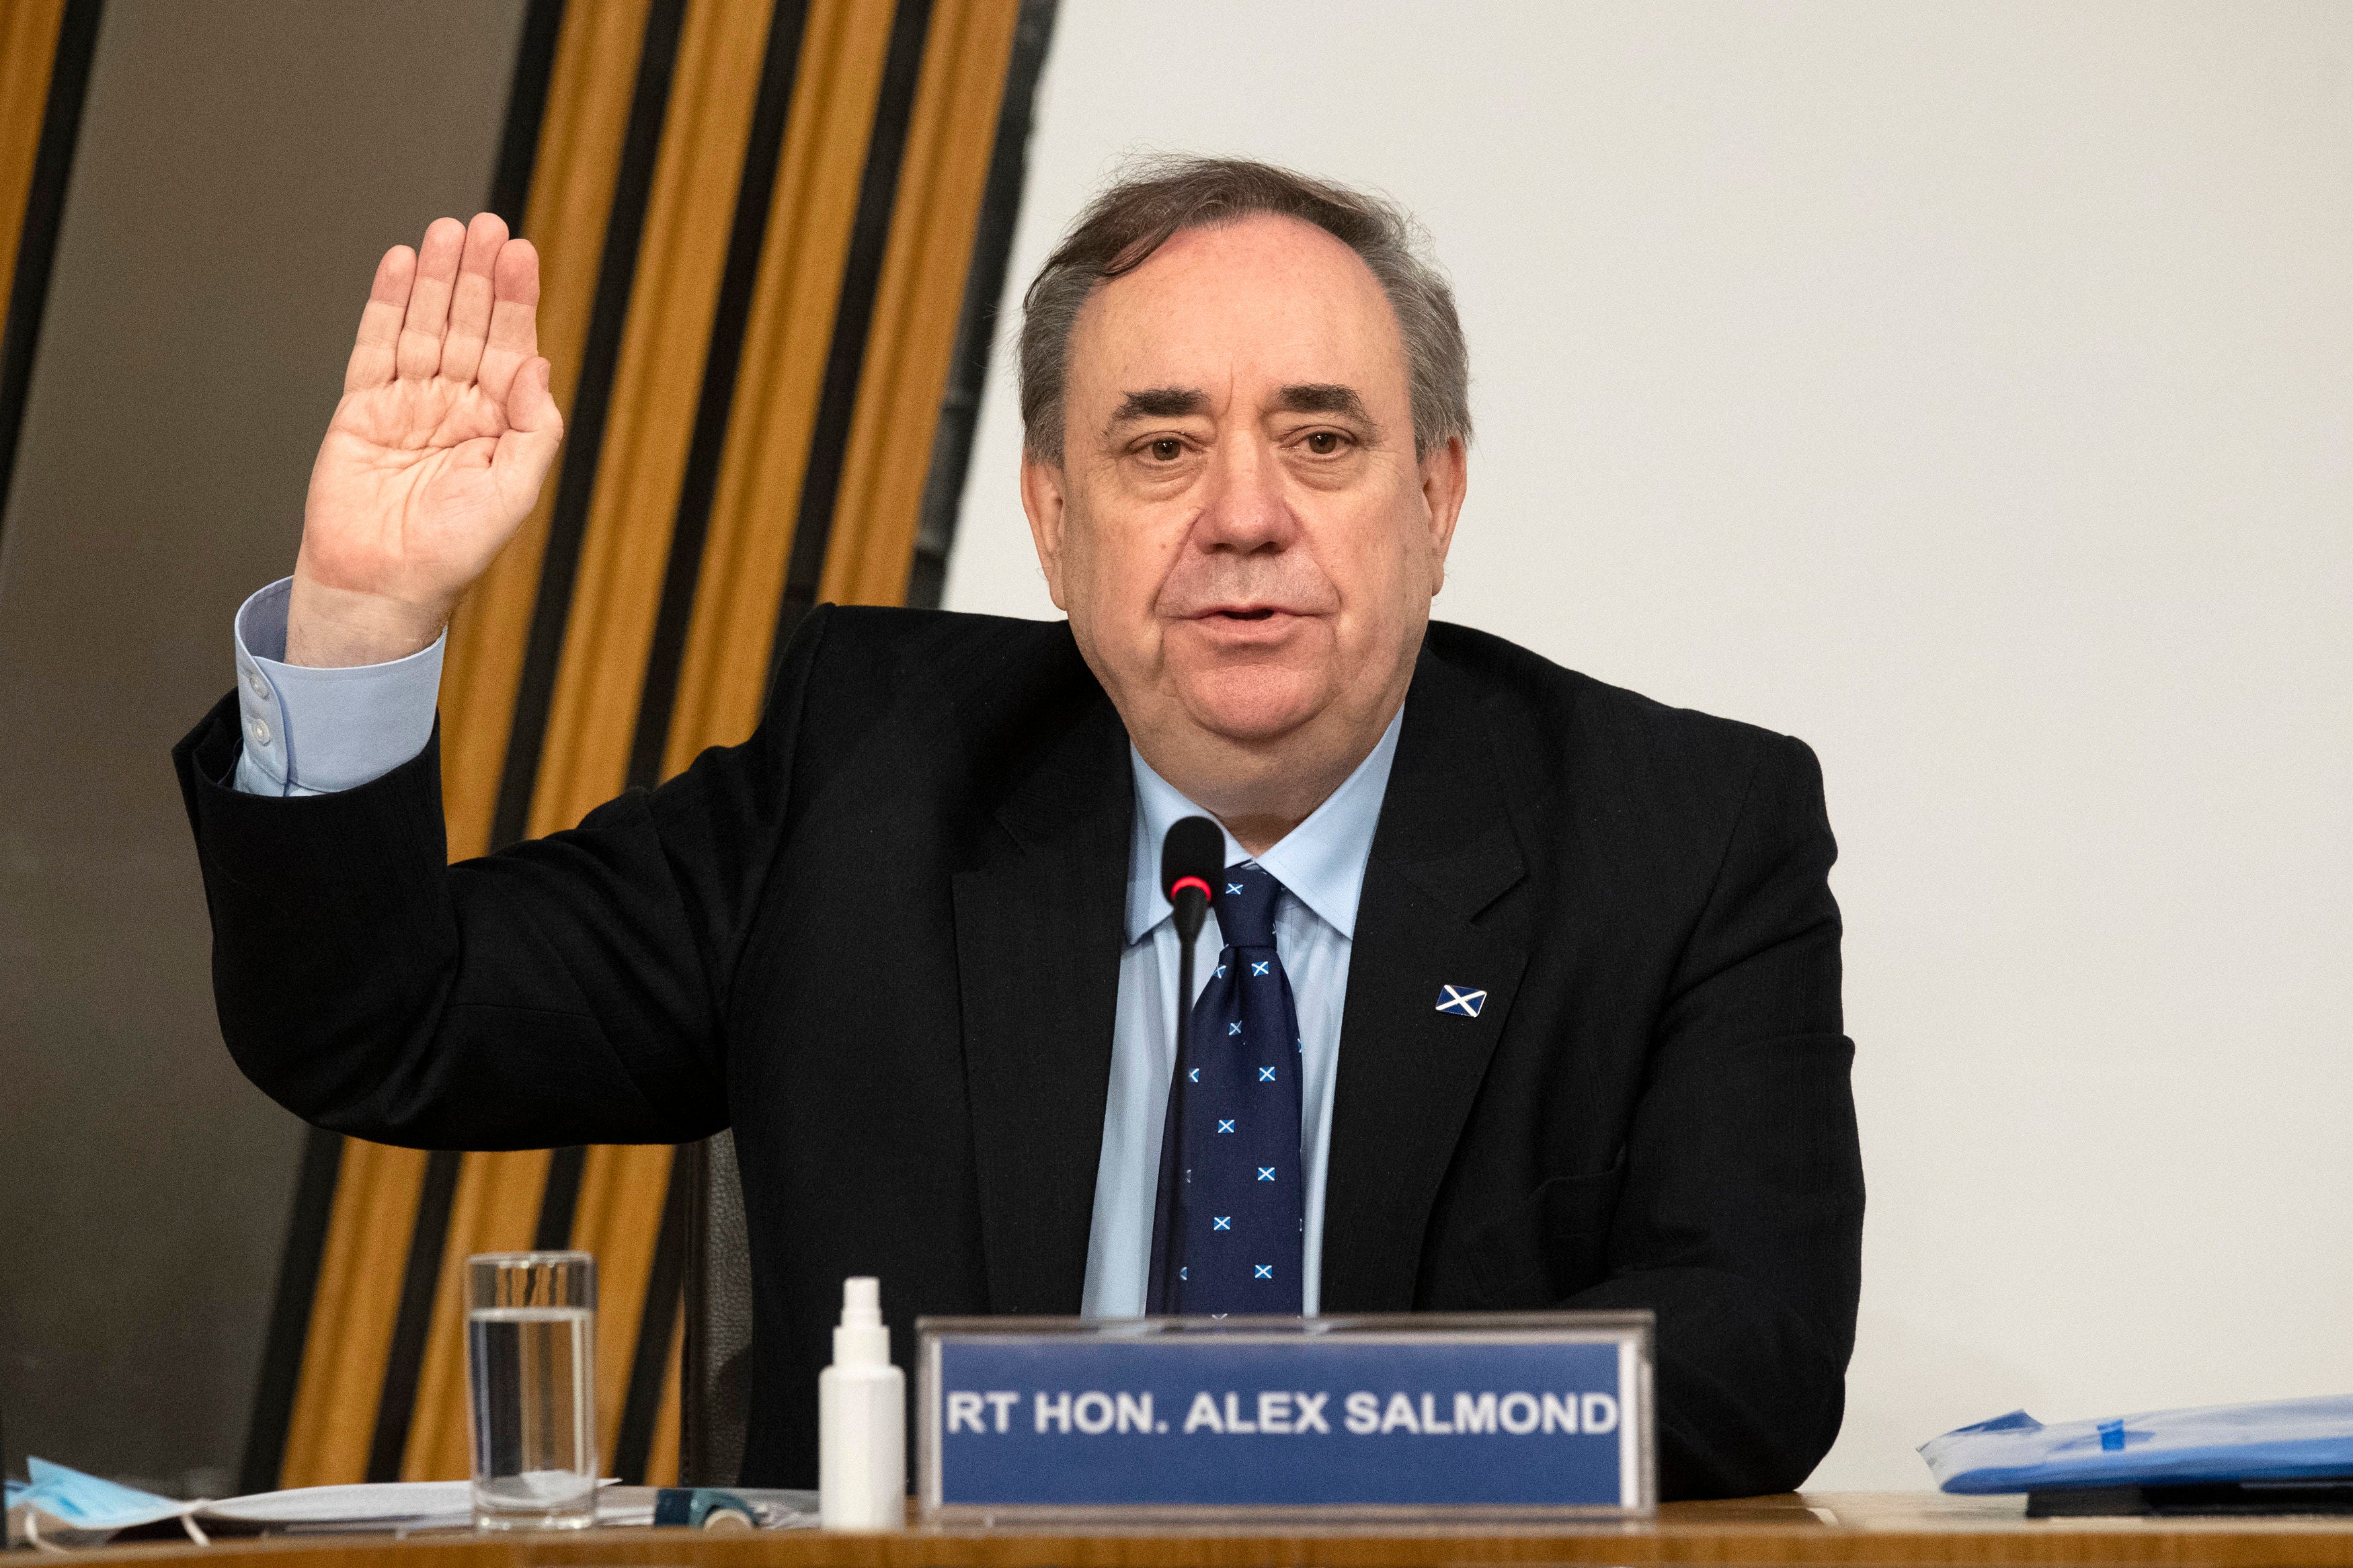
x: 1240, y: 531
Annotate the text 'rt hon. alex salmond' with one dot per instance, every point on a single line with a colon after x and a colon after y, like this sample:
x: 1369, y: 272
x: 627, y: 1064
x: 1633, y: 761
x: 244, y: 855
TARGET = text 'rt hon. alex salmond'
x: 1541, y: 1006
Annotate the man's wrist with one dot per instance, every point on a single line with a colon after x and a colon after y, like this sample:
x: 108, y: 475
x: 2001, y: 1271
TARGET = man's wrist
x: 334, y: 628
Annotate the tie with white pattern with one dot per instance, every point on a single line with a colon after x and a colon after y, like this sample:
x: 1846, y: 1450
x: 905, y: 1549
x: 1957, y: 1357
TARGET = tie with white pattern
x: 1242, y: 1221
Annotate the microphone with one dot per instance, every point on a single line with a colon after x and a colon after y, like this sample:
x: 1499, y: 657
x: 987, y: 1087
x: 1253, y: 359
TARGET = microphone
x: 1193, y: 851
x: 1191, y: 856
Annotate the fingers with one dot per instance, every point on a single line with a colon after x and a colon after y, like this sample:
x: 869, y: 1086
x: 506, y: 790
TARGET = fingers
x: 534, y: 430
x: 418, y: 353
x: 372, y: 354
x: 514, y: 319
x: 470, y: 303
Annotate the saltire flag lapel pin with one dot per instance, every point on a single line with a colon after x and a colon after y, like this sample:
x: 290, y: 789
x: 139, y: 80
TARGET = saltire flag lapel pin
x: 1461, y: 1001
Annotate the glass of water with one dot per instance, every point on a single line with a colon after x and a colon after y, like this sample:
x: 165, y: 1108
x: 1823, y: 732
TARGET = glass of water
x: 530, y: 1365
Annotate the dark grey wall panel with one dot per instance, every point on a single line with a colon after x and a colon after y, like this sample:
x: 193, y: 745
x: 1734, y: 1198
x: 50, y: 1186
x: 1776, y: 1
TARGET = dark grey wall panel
x: 240, y: 168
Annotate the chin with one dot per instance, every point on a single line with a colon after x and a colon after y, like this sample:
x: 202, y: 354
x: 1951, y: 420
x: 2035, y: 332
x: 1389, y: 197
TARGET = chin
x: 1255, y: 705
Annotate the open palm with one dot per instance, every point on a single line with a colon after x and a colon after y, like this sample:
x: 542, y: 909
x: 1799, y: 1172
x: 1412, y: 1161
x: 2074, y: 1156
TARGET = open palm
x: 438, y: 450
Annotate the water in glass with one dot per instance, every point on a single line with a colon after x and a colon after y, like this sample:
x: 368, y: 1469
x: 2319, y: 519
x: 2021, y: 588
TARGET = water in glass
x: 532, y: 1369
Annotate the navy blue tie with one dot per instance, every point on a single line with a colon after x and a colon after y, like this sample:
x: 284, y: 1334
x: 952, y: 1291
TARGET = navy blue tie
x: 1242, y: 1214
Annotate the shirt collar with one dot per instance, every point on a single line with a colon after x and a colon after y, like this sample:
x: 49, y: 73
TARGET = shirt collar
x: 1321, y: 861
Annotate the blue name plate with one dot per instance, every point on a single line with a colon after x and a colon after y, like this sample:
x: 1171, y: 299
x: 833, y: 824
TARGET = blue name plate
x: 1369, y: 1416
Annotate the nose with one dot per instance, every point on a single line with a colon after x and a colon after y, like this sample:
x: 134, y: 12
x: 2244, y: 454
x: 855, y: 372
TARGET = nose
x: 1244, y: 510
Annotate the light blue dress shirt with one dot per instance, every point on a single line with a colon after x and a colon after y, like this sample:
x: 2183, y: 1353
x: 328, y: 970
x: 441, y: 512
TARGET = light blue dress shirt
x: 312, y: 732
x: 1321, y: 865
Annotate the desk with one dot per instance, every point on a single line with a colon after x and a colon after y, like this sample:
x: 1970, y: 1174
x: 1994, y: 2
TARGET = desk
x: 1844, y: 1527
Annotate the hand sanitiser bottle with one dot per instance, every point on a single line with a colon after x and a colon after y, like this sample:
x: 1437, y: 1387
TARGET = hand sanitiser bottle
x: 862, y: 1420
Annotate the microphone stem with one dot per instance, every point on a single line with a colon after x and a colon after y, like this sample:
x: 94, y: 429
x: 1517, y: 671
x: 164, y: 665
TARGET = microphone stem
x: 1173, y: 1261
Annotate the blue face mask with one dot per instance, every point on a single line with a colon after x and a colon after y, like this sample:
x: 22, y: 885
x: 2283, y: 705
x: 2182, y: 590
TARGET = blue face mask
x: 69, y: 1507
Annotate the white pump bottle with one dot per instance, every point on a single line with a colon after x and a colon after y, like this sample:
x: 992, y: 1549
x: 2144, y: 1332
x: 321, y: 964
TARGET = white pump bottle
x: 862, y: 1420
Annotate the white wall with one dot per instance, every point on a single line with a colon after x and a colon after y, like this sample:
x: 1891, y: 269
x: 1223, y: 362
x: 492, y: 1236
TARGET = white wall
x: 1967, y: 389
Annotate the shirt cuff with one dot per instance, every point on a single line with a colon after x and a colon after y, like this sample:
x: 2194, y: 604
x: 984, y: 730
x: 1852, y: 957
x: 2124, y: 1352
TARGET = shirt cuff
x: 314, y: 732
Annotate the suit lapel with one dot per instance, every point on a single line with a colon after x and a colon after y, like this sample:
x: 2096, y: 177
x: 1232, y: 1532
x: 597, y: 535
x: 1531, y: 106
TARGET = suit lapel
x: 1443, y: 852
x: 1039, y: 935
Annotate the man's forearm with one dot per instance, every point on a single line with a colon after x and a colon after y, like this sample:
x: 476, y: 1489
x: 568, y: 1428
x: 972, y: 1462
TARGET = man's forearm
x: 339, y: 628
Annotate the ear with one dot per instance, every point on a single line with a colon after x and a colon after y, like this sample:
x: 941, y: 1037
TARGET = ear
x: 1043, y: 499
x: 1445, y: 476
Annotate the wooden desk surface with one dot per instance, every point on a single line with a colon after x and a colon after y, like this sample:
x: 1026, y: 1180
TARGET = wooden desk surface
x: 1845, y: 1528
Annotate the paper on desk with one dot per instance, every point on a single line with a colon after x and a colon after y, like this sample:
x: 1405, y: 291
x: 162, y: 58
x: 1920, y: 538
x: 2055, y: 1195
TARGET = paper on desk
x: 406, y: 1506
x: 383, y: 1505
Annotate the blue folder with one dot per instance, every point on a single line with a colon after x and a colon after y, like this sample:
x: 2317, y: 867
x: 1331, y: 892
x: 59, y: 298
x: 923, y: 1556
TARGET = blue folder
x: 2288, y: 1440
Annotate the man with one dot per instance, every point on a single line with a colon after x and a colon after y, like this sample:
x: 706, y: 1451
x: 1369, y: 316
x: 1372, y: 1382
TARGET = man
x: 1525, y: 990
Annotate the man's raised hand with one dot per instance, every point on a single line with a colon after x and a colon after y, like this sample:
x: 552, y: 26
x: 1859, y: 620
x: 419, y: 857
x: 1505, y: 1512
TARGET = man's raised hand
x: 435, y: 453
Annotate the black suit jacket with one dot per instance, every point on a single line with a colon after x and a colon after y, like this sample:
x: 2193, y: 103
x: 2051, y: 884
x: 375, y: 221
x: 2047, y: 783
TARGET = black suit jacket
x: 881, y: 940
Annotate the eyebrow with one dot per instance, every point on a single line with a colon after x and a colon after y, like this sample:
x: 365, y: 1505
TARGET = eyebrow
x: 1161, y: 402
x: 1323, y: 397
x: 1302, y: 397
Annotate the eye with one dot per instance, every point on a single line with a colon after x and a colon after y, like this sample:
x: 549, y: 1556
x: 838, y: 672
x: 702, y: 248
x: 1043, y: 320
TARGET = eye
x: 1323, y: 443
x: 1166, y: 449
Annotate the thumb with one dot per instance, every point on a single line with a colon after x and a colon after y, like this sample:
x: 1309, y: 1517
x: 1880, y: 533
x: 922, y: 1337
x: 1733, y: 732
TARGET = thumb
x: 534, y: 430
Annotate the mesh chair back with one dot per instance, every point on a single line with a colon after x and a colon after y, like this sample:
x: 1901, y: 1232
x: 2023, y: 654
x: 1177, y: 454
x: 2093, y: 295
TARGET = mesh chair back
x: 716, y: 1375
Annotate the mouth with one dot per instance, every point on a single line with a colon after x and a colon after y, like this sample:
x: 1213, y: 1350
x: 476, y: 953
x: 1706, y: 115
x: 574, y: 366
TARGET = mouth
x: 1241, y: 628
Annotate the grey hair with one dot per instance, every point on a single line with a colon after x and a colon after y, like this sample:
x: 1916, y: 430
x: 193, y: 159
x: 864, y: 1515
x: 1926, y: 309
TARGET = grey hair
x: 1158, y: 198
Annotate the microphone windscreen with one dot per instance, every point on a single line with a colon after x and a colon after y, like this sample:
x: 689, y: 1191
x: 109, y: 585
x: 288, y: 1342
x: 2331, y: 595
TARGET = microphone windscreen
x: 1196, y: 847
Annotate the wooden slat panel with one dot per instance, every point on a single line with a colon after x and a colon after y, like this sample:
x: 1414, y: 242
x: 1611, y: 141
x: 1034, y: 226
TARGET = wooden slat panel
x: 357, y: 1301
x: 622, y: 1188
x: 662, y: 1454
x: 624, y: 554
x: 788, y: 335
x: 28, y: 48
x: 592, y: 718
x: 496, y: 1210
x: 949, y: 139
x: 589, y: 98
x: 351, y: 1315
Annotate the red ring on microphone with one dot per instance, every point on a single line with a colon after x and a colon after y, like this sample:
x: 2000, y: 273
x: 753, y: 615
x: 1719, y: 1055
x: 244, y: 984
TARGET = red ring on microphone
x: 1183, y: 882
